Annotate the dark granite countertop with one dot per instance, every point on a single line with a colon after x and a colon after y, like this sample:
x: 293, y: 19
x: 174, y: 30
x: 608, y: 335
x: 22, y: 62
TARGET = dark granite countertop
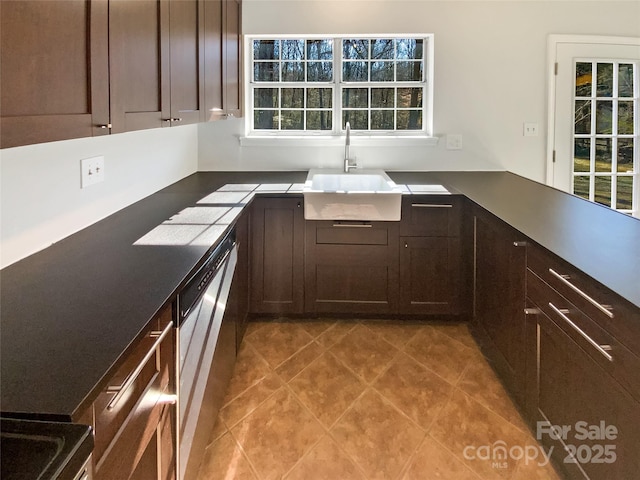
x: 70, y: 312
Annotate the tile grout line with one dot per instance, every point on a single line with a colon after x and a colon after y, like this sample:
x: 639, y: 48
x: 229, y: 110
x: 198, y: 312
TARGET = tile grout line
x: 254, y: 470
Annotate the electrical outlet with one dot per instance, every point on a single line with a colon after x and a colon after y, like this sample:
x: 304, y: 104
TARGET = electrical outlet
x: 454, y: 141
x: 92, y: 171
x: 530, y: 130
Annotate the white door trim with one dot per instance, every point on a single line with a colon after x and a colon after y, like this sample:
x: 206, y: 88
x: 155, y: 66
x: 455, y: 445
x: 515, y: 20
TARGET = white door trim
x: 552, y: 47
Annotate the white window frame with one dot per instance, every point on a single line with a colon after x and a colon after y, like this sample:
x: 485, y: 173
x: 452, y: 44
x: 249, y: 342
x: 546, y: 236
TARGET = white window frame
x: 422, y: 137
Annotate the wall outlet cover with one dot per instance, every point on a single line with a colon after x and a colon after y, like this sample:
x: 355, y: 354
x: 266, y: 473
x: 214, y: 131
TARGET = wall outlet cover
x: 454, y: 141
x: 530, y: 130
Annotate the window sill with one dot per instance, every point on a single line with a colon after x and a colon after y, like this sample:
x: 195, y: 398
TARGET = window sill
x: 330, y: 141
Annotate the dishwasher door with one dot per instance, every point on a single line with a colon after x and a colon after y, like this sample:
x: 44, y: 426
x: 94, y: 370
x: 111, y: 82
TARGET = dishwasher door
x: 206, y: 352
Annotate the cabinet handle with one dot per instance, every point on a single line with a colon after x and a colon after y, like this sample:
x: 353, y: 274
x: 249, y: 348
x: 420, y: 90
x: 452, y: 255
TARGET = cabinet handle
x: 603, y: 349
x: 406, y: 245
x: 120, y: 389
x: 107, y: 125
x: 299, y: 205
x: 177, y: 119
x: 353, y: 225
x: 519, y: 244
x: 531, y: 311
x: 431, y: 205
x: 606, y: 309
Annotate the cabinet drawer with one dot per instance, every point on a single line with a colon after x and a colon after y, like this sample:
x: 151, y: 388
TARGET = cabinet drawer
x: 604, y: 349
x: 351, y: 233
x: 130, y: 399
x: 614, y: 314
x: 431, y: 216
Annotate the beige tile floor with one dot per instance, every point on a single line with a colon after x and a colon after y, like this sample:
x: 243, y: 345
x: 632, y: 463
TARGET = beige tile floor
x: 342, y: 399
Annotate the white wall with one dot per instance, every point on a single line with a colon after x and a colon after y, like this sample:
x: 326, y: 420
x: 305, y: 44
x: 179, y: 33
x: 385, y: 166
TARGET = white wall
x: 490, y: 77
x: 41, y: 200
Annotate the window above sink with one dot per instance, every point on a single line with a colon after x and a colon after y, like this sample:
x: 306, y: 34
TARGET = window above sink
x: 305, y: 88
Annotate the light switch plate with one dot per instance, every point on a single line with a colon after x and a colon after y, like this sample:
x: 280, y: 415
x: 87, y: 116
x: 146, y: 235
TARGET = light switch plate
x: 454, y: 141
x: 92, y: 171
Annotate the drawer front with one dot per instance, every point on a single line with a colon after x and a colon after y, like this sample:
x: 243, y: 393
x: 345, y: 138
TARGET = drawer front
x: 351, y: 233
x: 129, y: 402
x: 431, y: 216
x: 614, y: 314
x: 604, y: 349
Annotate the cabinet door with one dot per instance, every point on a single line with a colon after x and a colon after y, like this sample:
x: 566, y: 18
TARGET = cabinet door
x: 223, y: 58
x: 186, y: 21
x: 232, y: 55
x: 277, y: 246
x: 573, y: 392
x: 351, y: 267
x: 430, y: 275
x: 54, y: 62
x: 240, y: 286
x: 499, y: 297
x: 139, y: 64
x: 213, y: 74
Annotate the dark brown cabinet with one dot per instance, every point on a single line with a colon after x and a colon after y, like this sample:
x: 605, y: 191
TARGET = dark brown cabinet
x: 139, y: 52
x: 582, y: 380
x: 85, y: 68
x: 238, y: 304
x: 55, y: 71
x: 134, y: 418
x: 276, y: 256
x: 430, y: 255
x: 232, y: 58
x: 499, y: 296
x: 351, y: 267
x: 223, y: 63
x: 186, y: 36
x: 156, y: 50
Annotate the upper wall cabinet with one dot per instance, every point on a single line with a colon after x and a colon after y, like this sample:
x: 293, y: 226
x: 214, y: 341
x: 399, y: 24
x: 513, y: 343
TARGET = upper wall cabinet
x: 186, y: 27
x: 232, y: 65
x: 55, y: 77
x: 139, y: 64
x: 91, y: 67
x: 156, y: 63
x: 223, y: 58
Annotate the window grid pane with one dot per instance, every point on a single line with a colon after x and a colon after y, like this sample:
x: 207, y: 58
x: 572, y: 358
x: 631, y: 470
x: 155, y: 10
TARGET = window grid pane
x: 380, y: 83
x: 605, y: 142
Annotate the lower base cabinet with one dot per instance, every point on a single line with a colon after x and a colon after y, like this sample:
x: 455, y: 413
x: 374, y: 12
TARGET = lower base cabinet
x: 580, y: 412
x: 430, y: 275
x: 351, y: 267
x: 499, y: 299
x: 276, y: 256
x: 134, y: 418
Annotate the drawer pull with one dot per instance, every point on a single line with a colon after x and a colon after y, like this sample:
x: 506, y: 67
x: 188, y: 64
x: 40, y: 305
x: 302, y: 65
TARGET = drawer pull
x: 120, y: 389
x: 519, y: 244
x: 531, y: 311
x: 432, y: 205
x: 603, y: 349
x: 353, y: 225
x: 606, y: 309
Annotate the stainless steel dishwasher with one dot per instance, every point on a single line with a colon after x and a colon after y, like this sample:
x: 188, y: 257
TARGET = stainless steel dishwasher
x: 206, y: 353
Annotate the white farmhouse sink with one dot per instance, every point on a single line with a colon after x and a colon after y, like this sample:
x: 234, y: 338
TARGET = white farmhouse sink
x: 358, y: 195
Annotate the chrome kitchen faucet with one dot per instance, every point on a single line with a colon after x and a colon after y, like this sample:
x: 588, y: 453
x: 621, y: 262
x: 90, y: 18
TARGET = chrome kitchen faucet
x: 347, y: 143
